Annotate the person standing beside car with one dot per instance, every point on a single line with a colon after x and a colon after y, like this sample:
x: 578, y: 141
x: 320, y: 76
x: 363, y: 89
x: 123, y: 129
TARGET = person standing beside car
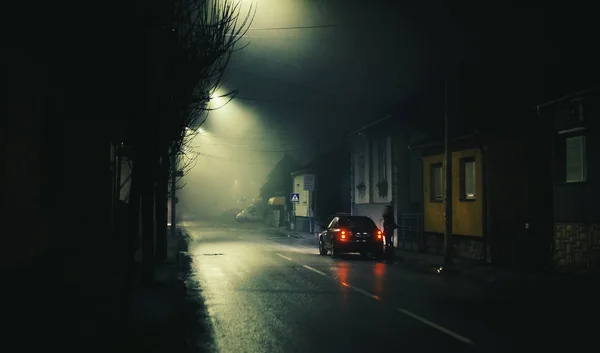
x: 389, y: 224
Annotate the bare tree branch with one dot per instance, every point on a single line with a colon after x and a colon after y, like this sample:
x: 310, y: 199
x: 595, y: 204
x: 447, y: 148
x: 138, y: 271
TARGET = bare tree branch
x: 203, y: 35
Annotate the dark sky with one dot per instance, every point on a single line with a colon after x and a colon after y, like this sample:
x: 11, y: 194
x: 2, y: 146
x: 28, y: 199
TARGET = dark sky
x: 307, y: 85
x: 300, y: 88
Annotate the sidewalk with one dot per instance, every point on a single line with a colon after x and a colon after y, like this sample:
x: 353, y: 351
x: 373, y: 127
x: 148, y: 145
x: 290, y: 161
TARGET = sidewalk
x: 489, y: 275
x: 160, y: 316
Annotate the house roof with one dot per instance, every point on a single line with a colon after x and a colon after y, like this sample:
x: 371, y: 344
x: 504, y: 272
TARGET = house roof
x: 368, y: 125
x: 304, y: 170
x: 569, y: 96
x: 457, y: 142
x: 311, y: 166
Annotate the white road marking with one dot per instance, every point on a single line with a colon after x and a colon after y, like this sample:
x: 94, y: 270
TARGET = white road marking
x: 297, y: 249
x: 437, y: 327
x: 403, y: 311
x: 285, y: 257
x: 314, y: 270
x: 361, y: 291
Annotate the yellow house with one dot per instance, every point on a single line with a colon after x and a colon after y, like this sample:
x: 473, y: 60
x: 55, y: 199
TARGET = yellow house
x: 467, y: 192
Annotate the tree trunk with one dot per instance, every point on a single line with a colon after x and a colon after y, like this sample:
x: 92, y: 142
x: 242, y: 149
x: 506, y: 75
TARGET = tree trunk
x: 147, y: 176
x: 134, y: 210
x: 161, y: 207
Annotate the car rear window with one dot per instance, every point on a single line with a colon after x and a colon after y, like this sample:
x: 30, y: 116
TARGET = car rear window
x: 361, y: 222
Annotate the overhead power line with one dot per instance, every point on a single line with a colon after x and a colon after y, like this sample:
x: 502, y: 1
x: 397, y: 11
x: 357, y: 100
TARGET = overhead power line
x: 227, y: 159
x: 295, y: 67
x: 274, y: 79
x: 268, y: 138
x: 330, y: 25
x: 246, y: 148
x: 357, y: 24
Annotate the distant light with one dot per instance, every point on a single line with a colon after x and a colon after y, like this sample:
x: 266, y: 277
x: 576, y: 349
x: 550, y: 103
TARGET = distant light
x: 201, y: 131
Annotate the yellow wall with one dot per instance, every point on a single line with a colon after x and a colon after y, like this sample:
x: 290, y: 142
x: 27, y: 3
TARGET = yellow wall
x: 467, y: 217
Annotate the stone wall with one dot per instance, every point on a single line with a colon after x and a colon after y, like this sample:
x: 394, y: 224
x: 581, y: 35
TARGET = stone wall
x: 576, y: 247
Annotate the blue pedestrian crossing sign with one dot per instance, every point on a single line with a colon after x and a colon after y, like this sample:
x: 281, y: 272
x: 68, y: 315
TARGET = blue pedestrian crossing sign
x: 295, y: 197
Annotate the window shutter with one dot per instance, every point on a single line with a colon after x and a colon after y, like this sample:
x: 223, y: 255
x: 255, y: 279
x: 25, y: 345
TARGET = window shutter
x: 361, y: 167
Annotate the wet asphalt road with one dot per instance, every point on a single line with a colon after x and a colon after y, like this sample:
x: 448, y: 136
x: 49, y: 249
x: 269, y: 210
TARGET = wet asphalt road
x: 265, y: 292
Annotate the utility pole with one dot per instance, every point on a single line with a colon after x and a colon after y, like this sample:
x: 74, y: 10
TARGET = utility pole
x: 448, y: 179
x: 173, y: 187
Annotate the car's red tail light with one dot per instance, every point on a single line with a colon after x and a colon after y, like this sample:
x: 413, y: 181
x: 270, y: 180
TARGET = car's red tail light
x: 378, y: 234
x: 344, y: 234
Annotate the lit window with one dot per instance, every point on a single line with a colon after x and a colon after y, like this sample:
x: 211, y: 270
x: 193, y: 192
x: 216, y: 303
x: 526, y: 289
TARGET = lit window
x: 467, y: 178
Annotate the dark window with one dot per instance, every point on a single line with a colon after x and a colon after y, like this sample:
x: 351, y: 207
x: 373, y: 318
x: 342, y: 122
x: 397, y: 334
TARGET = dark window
x: 570, y: 158
x: 575, y: 159
x: 436, y: 194
x: 468, y: 180
x: 359, y: 222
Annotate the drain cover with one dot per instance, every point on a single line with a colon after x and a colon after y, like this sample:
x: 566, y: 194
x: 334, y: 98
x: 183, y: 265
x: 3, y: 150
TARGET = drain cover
x: 216, y: 254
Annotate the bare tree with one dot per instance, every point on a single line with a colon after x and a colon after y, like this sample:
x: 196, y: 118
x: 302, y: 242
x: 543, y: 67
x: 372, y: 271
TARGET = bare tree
x: 192, y: 42
x: 207, y: 32
x: 202, y: 24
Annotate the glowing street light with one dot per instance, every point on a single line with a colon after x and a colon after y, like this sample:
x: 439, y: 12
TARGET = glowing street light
x: 218, y: 100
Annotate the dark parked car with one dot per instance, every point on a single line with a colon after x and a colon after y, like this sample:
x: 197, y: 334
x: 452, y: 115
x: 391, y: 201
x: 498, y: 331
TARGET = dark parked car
x: 347, y: 234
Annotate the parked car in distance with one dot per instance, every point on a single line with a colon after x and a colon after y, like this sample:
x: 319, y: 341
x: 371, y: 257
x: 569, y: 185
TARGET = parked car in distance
x: 249, y: 214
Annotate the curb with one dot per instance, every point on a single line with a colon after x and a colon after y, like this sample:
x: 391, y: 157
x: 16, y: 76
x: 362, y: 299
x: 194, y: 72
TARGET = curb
x: 417, y: 265
x: 439, y: 270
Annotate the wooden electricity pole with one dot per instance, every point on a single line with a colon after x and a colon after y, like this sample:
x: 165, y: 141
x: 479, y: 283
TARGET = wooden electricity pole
x: 448, y: 178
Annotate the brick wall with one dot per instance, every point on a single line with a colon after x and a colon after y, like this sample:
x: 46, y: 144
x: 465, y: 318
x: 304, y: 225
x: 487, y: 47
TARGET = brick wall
x: 576, y: 247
